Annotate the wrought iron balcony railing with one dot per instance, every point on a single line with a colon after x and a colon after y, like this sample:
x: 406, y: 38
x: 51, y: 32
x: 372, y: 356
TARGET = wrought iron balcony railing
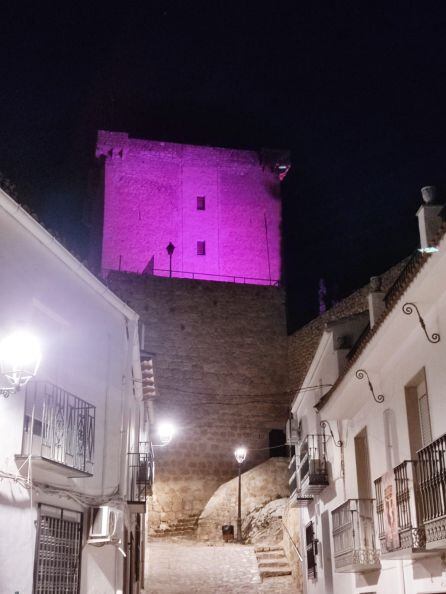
x: 141, y: 473
x: 59, y: 428
x: 312, y: 465
x: 400, y: 530
x: 354, y: 537
x: 432, y: 481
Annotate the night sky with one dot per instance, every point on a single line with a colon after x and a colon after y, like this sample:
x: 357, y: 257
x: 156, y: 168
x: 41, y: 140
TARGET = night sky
x: 357, y: 92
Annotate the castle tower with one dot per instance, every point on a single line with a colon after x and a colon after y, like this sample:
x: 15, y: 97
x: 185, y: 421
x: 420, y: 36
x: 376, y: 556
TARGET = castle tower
x: 218, y: 349
x: 218, y: 209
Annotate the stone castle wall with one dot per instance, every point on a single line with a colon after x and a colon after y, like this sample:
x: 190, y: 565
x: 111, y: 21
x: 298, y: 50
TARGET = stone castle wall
x: 150, y: 200
x: 220, y: 364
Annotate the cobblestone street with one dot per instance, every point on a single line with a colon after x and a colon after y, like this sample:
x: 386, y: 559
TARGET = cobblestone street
x: 189, y: 567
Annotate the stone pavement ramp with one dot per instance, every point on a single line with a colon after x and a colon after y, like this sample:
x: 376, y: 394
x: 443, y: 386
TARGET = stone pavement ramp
x: 195, y: 568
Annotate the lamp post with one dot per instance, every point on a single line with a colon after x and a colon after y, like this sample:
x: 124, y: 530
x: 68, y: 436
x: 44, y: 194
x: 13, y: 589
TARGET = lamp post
x: 19, y: 360
x: 170, y: 249
x: 240, y: 455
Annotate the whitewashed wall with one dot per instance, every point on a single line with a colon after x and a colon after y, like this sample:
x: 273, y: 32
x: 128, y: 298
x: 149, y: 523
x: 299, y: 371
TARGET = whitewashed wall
x: 396, y: 353
x: 88, y: 352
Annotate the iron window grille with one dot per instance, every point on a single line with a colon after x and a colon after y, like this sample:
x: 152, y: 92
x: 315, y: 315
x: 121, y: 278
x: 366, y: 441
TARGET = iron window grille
x: 201, y: 202
x: 57, y: 563
x: 58, y: 426
x: 201, y: 248
x: 311, y: 550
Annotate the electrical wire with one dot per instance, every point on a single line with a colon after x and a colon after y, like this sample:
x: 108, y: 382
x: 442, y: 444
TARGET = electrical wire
x: 238, y: 395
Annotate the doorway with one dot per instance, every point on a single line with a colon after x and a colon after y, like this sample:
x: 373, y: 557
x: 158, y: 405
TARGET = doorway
x: 277, y: 444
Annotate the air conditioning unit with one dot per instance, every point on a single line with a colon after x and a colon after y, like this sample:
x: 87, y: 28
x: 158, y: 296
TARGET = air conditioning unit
x: 106, y: 525
x: 293, y: 431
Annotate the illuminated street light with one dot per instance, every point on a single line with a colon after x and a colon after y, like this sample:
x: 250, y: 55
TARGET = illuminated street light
x: 166, y: 431
x: 240, y: 455
x: 20, y: 357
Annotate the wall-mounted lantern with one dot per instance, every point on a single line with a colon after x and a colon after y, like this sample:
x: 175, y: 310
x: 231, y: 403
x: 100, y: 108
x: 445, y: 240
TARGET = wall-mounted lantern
x: 20, y: 357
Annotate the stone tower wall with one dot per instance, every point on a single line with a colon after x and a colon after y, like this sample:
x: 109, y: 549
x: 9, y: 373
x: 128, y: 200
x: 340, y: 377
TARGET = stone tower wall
x: 220, y: 364
x: 150, y: 200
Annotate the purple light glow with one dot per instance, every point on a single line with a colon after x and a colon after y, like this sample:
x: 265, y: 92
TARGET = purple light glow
x: 151, y: 192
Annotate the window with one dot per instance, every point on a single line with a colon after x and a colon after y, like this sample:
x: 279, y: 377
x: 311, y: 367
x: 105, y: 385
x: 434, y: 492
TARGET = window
x: 201, y: 202
x: 201, y: 248
x: 311, y: 549
x: 418, y: 416
x: 58, y: 551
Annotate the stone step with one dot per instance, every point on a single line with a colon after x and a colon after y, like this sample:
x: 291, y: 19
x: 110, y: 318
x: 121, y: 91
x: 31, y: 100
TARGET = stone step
x: 272, y: 573
x: 267, y: 548
x: 163, y: 533
x: 175, y: 529
x: 270, y: 555
x: 274, y: 564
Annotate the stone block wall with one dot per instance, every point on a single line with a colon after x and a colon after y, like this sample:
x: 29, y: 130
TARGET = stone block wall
x: 220, y: 365
x: 150, y: 200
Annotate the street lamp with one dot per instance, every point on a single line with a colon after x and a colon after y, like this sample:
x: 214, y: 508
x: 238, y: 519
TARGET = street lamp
x: 170, y: 249
x: 19, y: 360
x: 166, y: 431
x: 240, y: 455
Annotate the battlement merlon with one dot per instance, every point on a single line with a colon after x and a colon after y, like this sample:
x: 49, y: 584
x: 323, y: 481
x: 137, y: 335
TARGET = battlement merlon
x: 118, y: 146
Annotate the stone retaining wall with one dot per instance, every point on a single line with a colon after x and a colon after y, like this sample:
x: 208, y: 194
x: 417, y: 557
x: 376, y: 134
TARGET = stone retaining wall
x: 260, y: 485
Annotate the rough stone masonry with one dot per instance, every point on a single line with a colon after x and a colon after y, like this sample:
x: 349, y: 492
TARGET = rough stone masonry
x: 220, y: 362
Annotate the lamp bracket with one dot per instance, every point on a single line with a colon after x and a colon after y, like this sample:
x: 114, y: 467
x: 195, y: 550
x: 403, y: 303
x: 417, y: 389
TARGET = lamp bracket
x: 361, y: 374
x: 338, y: 443
x: 408, y: 309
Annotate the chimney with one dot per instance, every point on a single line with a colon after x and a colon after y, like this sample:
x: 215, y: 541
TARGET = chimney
x: 429, y: 220
x: 376, y: 300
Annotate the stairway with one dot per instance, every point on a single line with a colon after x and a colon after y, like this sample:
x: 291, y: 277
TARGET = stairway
x: 183, y: 527
x: 272, y: 561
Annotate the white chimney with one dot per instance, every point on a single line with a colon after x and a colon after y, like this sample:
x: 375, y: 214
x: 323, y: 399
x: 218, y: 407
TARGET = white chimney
x: 429, y: 220
x: 376, y: 300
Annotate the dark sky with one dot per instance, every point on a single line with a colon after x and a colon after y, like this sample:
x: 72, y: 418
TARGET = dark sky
x: 356, y: 90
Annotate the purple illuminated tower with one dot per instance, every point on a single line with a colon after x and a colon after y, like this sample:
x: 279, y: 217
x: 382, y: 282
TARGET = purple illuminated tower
x: 217, y: 209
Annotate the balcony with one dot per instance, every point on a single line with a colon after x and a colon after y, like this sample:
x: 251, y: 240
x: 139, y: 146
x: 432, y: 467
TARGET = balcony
x: 354, y: 537
x: 296, y: 500
x: 312, y: 465
x: 58, y: 433
x: 140, y: 476
x: 406, y: 539
x: 432, y: 484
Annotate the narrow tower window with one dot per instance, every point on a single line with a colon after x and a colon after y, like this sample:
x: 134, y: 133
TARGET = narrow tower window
x: 201, y: 202
x: 201, y: 248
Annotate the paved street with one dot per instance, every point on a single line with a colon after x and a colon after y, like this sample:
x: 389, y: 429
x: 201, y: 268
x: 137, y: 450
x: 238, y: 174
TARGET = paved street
x: 189, y: 567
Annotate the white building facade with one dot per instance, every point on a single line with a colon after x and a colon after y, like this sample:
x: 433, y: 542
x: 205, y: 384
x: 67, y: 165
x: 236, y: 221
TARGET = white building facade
x: 369, y: 434
x: 75, y: 465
